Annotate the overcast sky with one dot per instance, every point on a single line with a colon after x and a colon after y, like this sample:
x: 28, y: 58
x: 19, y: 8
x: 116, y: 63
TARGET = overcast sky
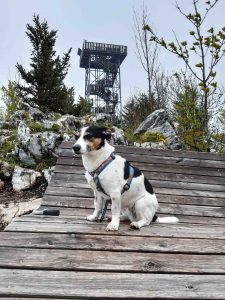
x: 107, y: 21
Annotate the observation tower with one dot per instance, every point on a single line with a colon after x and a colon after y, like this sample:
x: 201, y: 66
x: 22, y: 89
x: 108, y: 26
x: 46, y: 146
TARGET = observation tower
x: 102, y: 77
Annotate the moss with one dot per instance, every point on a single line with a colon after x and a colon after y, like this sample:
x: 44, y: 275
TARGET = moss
x: 57, y: 116
x: 36, y: 127
x: 149, y: 137
x: 154, y: 137
x: 5, y: 126
x: 7, y: 147
x: 45, y: 163
x: 55, y: 128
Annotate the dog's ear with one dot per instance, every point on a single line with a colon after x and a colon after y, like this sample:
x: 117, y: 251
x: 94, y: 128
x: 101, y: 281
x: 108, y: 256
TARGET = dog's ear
x: 106, y: 132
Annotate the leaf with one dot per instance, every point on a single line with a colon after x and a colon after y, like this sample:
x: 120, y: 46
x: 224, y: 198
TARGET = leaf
x: 192, y: 33
x: 200, y: 65
x: 147, y: 27
x: 211, y: 30
x: 184, y: 43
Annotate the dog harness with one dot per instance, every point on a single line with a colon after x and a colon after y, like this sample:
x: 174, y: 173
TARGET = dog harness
x: 95, y: 174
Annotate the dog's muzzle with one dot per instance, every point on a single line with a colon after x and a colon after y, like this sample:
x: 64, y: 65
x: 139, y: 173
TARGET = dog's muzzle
x: 76, y: 148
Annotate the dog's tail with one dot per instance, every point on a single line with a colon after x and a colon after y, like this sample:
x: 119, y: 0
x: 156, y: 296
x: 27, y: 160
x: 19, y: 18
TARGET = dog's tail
x: 167, y: 220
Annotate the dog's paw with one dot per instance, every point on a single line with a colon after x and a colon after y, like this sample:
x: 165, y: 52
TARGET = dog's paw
x: 91, y: 218
x: 135, y: 225
x: 112, y: 227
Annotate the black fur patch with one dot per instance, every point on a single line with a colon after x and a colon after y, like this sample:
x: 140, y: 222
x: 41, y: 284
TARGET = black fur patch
x: 148, y: 187
x: 95, y: 132
x: 137, y: 172
x: 154, y: 218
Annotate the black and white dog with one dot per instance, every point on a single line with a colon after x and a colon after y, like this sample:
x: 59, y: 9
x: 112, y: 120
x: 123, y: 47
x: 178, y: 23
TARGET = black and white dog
x: 111, y: 176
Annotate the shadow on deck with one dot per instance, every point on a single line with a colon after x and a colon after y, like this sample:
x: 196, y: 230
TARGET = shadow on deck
x: 67, y: 257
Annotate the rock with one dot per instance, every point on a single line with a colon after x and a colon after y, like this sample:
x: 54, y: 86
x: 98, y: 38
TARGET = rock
x: 36, y: 114
x: 6, y: 169
x: 155, y: 119
x: 33, y: 146
x: 69, y: 122
x: 159, y: 121
x: 101, y: 117
x: 48, y: 173
x: 24, y: 178
x: 1, y: 184
x: 8, y: 212
x: 118, y: 136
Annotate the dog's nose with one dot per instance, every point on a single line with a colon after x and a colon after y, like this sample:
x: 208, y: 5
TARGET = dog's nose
x: 76, y: 148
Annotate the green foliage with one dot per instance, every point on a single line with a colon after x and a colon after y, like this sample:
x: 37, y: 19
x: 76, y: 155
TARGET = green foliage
x: 135, y: 111
x: 149, y: 137
x: 153, y: 137
x: 45, y: 163
x: 208, y: 47
x: 36, y: 127
x: 189, y: 115
x: 11, y: 100
x: 218, y: 142
x: 83, y: 107
x: 43, y: 83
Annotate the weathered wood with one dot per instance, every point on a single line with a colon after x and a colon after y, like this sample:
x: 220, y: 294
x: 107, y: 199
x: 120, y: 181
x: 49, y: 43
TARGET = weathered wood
x: 111, y: 261
x: 173, y: 199
x: 150, y: 176
x: 86, y: 192
x: 165, y: 208
x: 110, y: 242
x: 78, y: 169
x: 156, y: 160
x: 201, y: 231
x: 67, y: 146
x: 110, y: 285
x: 155, y: 183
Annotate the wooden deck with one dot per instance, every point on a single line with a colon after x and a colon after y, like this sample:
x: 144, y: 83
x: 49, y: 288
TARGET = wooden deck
x: 67, y: 257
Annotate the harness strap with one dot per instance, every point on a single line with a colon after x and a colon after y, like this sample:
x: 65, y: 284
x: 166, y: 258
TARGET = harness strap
x: 99, y: 188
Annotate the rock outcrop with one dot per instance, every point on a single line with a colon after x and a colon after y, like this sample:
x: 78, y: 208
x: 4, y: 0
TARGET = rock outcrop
x: 159, y: 122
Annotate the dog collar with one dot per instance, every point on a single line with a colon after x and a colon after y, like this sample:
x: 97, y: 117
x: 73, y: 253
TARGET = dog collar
x: 103, y: 165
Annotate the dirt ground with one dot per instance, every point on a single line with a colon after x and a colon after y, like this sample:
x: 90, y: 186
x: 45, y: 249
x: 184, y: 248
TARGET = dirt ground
x: 7, y: 195
x: 10, y: 199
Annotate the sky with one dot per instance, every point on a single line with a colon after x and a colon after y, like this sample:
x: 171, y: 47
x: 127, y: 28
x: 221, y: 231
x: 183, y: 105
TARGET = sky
x: 106, y: 21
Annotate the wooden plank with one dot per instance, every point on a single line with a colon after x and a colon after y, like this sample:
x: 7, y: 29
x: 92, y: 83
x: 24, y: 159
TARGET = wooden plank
x: 202, y: 231
x: 66, y: 147
x: 81, y: 214
x: 150, y: 176
x: 85, y: 192
x: 155, y: 160
x: 165, y: 208
x: 78, y: 169
x: 155, y: 183
x: 110, y: 242
x: 173, y: 199
x: 111, y: 261
x: 95, y: 285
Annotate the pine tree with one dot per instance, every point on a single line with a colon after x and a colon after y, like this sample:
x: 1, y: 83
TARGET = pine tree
x: 43, y: 83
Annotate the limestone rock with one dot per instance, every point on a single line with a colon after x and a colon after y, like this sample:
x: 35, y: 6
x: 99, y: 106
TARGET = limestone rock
x: 36, y: 114
x: 24, y: 178
x: 159, y: 121
x: 48, y: 173
x: 118, y: 136
x: 69, y: 122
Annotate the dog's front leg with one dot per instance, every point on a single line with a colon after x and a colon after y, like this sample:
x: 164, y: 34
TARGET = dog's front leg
x: 98, y: 203
x: 115, y: 208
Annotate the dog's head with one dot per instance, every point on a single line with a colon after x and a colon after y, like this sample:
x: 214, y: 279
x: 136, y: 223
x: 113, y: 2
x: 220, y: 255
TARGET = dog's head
x: 91, y: 138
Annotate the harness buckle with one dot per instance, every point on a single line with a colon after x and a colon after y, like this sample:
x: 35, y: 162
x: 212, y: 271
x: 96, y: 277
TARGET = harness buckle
x: 126, y: 187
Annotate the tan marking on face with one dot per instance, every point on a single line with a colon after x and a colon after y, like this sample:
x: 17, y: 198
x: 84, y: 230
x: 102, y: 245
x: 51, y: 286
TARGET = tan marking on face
x: 94, y: 144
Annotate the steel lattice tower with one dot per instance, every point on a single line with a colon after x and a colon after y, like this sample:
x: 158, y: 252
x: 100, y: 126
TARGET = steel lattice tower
x: 102, y: 76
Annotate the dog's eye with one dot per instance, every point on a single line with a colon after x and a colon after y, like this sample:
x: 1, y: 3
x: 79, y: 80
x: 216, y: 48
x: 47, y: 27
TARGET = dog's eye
x: 88, y: 137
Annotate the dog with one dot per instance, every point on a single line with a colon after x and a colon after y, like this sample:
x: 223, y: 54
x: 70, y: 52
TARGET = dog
x: 111, y: 176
